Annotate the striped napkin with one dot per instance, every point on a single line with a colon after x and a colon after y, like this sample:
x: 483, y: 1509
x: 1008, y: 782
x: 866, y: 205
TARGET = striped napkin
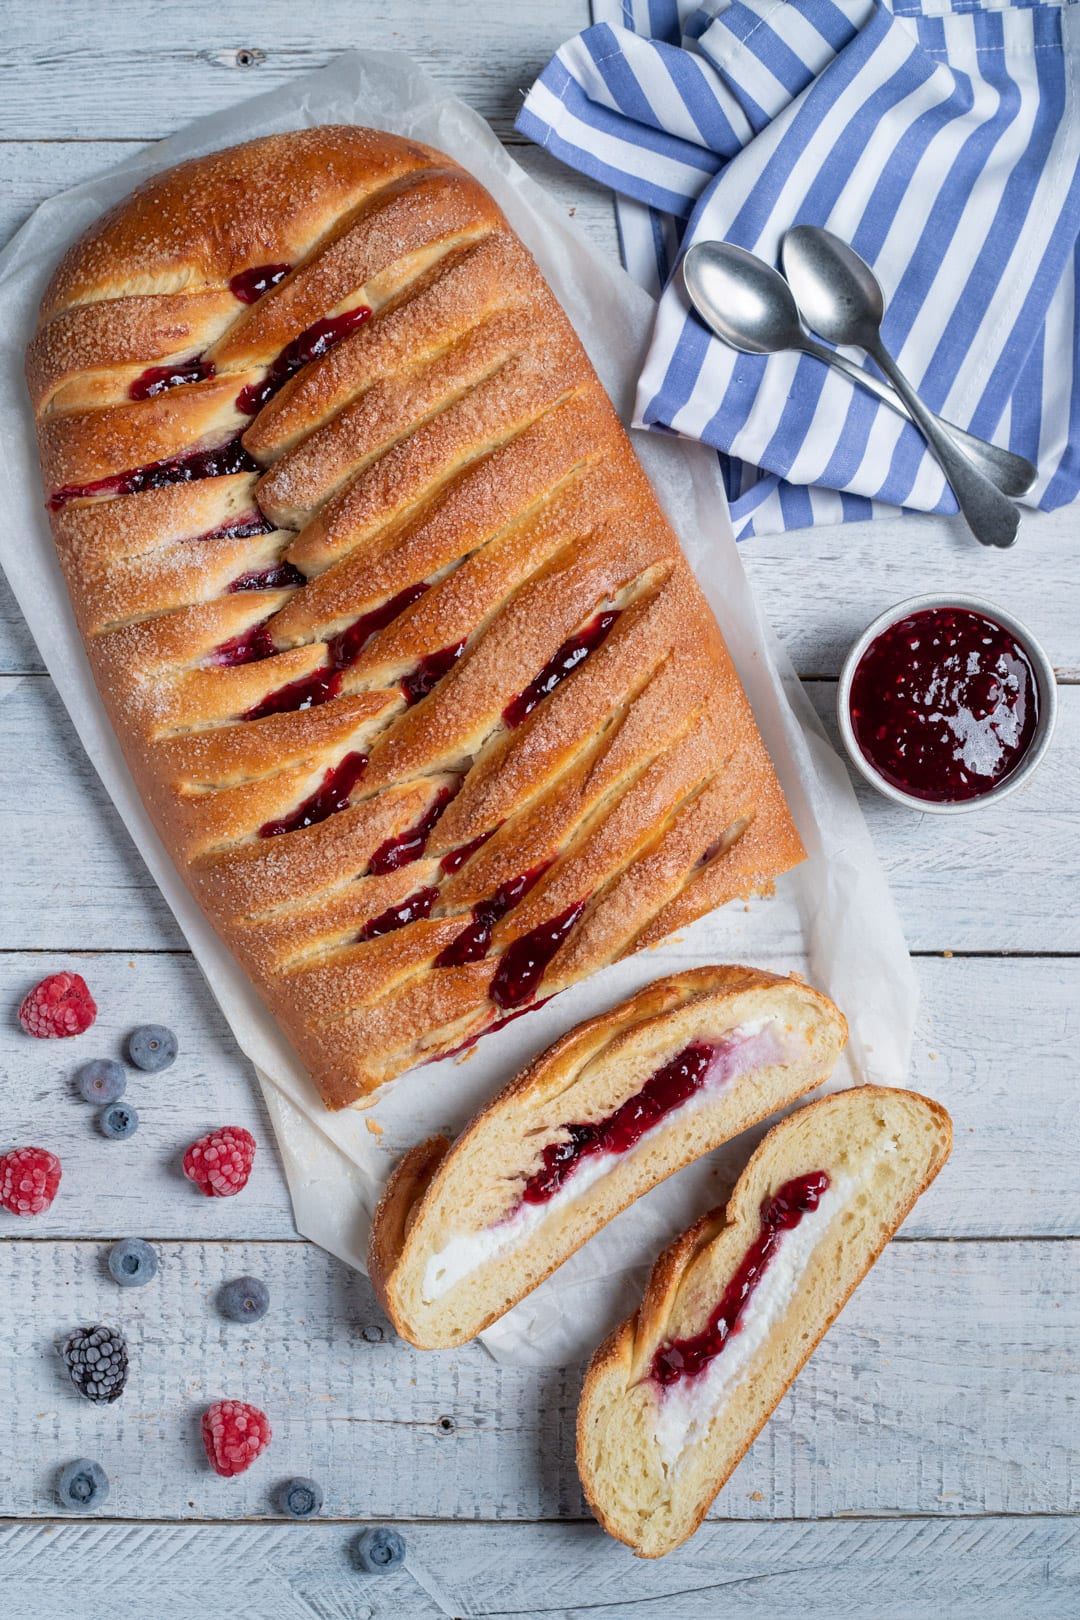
x: 941, y: 139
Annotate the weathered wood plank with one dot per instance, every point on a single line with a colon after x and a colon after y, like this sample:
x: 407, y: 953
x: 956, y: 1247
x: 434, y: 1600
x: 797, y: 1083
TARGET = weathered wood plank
x: 162, y: 70
x: 967, y: 883
x: 981, y: 1569
x: 947, y: 1387
x: 1011, y: 1091
x: 852, y: 572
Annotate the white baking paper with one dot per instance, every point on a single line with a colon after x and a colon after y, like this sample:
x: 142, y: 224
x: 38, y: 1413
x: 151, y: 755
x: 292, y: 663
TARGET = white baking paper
x: 832, y: 920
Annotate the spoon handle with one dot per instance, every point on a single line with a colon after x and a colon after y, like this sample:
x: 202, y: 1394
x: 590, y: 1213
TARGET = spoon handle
x: 991, y: 516
x: 1012, y: 474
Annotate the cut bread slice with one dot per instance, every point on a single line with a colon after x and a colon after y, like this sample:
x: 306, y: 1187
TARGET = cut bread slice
x: 734, y: 1307
x: 610, y: 1110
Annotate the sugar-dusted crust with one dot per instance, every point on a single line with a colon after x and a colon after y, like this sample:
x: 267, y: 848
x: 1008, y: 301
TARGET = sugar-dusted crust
x: 438, y: 1193
x: 633, y: 1493
x: 444, y: 461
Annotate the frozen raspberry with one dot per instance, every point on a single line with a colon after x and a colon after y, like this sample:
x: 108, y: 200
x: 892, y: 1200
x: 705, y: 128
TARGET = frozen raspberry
x: 29, y: 1178
x: 60, y: 1005
x: 234, y: 1434
x: 221, y: 1163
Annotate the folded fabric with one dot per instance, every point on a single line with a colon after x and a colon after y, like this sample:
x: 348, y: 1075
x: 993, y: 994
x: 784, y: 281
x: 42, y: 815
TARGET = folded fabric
x: 941, y: 139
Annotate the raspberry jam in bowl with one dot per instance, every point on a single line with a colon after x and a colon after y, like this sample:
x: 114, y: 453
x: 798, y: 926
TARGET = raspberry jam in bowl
x: 946, y: 703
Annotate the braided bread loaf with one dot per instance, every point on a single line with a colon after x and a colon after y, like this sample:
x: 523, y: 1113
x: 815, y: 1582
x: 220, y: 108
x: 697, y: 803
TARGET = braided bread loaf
x: 414, y: 680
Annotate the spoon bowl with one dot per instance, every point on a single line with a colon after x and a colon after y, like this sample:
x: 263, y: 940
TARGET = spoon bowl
x: 743, y: 299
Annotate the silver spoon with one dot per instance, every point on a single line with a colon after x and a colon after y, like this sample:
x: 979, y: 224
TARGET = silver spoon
x: 751, y: 307
x: 840, y: 297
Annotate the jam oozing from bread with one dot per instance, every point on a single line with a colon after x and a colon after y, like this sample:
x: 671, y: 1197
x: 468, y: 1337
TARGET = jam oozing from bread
x: 279, y: 576
x: 473, y: 944
x: 686, y: 1358
x: 250, y: 285
x: 305, y: 693
x: 524, y: 962
x: 158, y: 379
x: 346, y: 648
x: 702, y: 1063
x: 331, y: 796
x: 415, y: 907
x: 314, y: 341
x: 429, y: 672
x: 244, y: 527
x: 573, y: 652
x: 248, y: 648
x: 219, y: 462
x: 944, y: 704
x: 408, y: 846
x: 455, y: 859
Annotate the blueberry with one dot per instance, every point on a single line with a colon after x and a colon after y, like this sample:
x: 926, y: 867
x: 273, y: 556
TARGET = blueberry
x: 244, y: 1299
x: 118, y: 1121
x: 102, y: 1080
x: 377, y: 1550
x: 83, y: 1485
x: 132, y: 1262
x: 299, y: 1498
x: 152, y: 1047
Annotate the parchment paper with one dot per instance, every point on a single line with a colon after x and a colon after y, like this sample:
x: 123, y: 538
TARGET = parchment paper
x: 832, y: 920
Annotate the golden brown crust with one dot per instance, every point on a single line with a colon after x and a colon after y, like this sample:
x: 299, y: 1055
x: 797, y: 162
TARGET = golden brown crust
x: 624, y: 1356
x: 423, y: 1187
x: 402, y: 426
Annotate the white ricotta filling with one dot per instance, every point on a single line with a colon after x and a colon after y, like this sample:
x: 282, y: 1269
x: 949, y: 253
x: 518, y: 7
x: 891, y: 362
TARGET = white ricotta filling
x: 758, y: 1046
x: 686, y: 1409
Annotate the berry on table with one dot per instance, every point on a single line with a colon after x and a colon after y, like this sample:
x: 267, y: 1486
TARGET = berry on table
x: 132, y: 1262
x: 118, y: 1121
x: 59, y: 1006
x: 97, y: 1360
x: 244, y: 1299
x: 102, y: 1080
x: 298, y: 1498
x: 220, y: 1163
x: 378, y: 1549
x: 82, y: 1485
x: 234, y: 1434
x: 29, y: 1177
x: 152, y: 1047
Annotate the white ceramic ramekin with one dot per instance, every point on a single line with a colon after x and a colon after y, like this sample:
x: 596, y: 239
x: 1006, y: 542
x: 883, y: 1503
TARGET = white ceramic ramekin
x: 1044, y: 681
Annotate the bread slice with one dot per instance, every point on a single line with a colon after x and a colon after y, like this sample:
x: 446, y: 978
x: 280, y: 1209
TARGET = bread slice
x: 463, y: 1233
x: 655, y: 1440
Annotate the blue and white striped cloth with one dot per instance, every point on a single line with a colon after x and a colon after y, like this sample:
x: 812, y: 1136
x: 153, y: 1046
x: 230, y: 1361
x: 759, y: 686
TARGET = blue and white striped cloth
x: 941, y: 138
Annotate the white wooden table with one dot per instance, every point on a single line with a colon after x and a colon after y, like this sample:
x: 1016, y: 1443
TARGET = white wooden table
x: 925, y: 1463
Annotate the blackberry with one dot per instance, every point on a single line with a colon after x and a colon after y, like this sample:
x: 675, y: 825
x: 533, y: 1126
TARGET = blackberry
x: 97, y: 1360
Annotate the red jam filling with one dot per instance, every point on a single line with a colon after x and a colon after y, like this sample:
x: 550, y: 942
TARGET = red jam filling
x: 157, y: 379
x: 412, y: 909
x: 305, y: 693
x: 275, y: 578
x: 429, y: 672
x: 250, y: 285
x: 944, y: 704
x: 573, y: 652
x: 699, y: 1064
x: 346, y: 648
x: 217, y: 463
x: 686, y: 1358
x: 239, y: 528
x: 490, y: 1029
x: 455, y: 859
x: 408, y: 846
x: 524, y: 963
x: 331, y: 796
x: 314, y: 341
x: 255, y: 644
x: 472, y: 944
